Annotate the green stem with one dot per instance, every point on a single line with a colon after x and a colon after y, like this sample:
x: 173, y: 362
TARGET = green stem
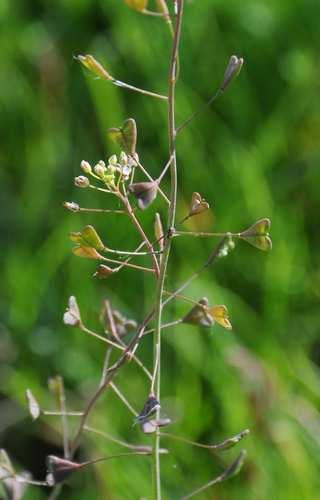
x: 167, y: 246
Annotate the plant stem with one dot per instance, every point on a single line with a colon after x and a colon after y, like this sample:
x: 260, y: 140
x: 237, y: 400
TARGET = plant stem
x: 167, y: 246
x: 140, y: 230
x: 124, y: 85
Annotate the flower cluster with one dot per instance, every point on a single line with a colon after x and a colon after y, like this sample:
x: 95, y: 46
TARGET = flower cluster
x: 117, y: 170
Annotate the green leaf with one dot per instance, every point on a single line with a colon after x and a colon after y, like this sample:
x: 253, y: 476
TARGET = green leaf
x: 125, y: 136
x: 258, y: 235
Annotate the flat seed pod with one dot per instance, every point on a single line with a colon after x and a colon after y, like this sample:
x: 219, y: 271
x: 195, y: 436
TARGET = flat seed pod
x: 258, y: 235
x: 125, y: 136
x: 232, y: 71
x: 58, y: 469
x: 144, y: 192
x: 198, y: 315
x: 220, y: 316
x: 86, y: 252
x: 138, y: 5
x: 72, y: 315
x: 103, y: 272
x: 87, y: 237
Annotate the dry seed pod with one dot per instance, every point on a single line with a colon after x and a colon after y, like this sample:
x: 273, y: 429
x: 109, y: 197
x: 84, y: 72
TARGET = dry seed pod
x: 197, y: 205
x: 149, y: 408
x: 103, y: 272
x: 72, y: 315
x: 198, y: 315
x: 86, y: 252
x: 125, y: 136
x: 258, y: 235
x: 58, y: 469
x: 144, y: 192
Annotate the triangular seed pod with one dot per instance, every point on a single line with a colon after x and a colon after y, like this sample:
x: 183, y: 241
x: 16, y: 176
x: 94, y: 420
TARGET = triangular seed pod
x: 125, y: 136
x: 144, y: 192
x: 103, y: 272
x: 58, y: 469
x: 138, y: 5
x: 198, y: 315
x: 72, y: 315
x: 149, y: 408
x: 220, y: 316
x: 158, y: 231
x: 87, y: 237
x: 86, y: 252
x: 258, y: 235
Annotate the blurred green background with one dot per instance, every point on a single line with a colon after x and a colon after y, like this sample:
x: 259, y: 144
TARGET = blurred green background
x: 254, y: 154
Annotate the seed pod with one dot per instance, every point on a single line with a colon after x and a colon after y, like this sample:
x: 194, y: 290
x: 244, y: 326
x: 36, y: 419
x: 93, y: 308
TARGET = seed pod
x: 198, y: 315
x: 144, y: 192
x: 138, y: 5
x: 258, y: 235
x: 103, y: 272
x: 72, y: 315
x: 58, y: 469
x: 125, y: 136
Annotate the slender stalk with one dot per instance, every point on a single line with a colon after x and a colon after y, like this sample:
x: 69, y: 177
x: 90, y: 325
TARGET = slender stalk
x: 199, y: 111
x: 140, y: 230
x: 146, y: 173
x: 117, y: 441
x: 126, y: 264
x: 202, y: 234
x: 50, y: 413
x: 123, y: 399
x: 64, y: 420
x: 124, y: 85
x: 167, y: 246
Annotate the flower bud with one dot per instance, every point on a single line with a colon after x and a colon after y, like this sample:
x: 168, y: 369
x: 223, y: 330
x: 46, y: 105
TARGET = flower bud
x: 82, y: 181
x: 113, y: 160
x: 86, y: 167
x: 72, y: 206
x: 233, y: 69
x: 123, y: 160
x: 100, y: 169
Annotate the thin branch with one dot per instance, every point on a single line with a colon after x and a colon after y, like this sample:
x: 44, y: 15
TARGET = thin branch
x: 64, y: 420
x: 140, y: 230
x: 123, y: 399
x: 146, y: 173
x: 124, y: 85
x: 49, y: 413
x: 199, y: 111
x: 118, y: 441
